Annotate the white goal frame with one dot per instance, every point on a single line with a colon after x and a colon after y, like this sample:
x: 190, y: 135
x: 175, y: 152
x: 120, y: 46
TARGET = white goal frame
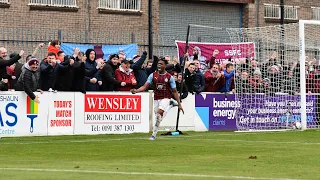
x: 303, y: 93
x: 303, y: 82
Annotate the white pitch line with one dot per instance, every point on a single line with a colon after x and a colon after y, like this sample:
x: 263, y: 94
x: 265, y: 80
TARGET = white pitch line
x: 163, y: 137
x: 144, y: 173
x: 72, y: 141
x: 101, y: 139
x: 270, y: 142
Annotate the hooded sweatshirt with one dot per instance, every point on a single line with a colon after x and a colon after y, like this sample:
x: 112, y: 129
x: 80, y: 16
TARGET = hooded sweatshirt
x: 89, y: 66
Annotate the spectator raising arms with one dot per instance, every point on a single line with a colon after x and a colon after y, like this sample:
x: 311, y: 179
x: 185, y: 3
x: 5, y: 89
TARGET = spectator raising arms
x: 64, y: 75
x: 174, y: 67
x: 4, y: 77
x: 79, y: 81
x: 141, y: 73
x: 212, y: 60
x: 17, y: 69
x: 47, y: 70
x: 214, y: 79
x: 228, y: 75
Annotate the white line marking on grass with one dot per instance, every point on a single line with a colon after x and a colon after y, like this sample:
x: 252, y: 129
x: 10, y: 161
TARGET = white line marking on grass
x: 192, y: 137
x: 270, y: 142
x: 144, y: 173
x: 103, y: 139
x: 73, y: 141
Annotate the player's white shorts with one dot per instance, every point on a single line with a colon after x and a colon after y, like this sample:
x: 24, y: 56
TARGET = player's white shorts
x: 163, y: 104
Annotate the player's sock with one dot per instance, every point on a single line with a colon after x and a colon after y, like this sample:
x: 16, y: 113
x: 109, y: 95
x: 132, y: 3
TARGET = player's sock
x: 156, y: 126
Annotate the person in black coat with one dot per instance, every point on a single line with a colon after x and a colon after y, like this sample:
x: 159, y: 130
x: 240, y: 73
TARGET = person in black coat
x: 64, y: 75
x: 2, y: 84
x: 80, y: 72
x: 179, y: 83
x: 109, y: 83
x: 17, y: 69
x: 50, y: 70
x: 178, y: 79
x: 3, y: 66
x: 190, y: 76
x: 29, y: 82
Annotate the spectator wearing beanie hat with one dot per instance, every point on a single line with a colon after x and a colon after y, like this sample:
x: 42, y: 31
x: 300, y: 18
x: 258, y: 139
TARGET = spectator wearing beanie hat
x: 29, y: 82
x: 256, y: 81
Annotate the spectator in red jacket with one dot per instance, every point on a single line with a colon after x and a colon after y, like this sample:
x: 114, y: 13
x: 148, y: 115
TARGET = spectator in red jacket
x: 125, y: 74
x: 11, y: 72
x: 213, y: 59
x: 54, y: 46
x: 214, y: 80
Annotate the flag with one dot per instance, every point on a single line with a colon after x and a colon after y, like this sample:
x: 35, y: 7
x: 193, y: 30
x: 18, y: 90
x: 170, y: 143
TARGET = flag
x: 234, y: 51
x: 102, y: 51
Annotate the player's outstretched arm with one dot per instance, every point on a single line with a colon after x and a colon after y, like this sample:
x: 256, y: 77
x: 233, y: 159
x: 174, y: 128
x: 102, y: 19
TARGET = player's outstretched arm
x: 176, y: 97
x: 145, y: 86
x: 141, y: 89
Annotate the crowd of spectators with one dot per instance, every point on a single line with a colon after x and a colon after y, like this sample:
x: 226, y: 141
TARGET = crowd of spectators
x: 82, y: 71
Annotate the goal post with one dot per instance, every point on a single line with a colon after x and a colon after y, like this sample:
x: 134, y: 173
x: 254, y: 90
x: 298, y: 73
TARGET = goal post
x: 302, y: 43
x: 303, y: 92
x: 276, y: 69
x: 280, y: 85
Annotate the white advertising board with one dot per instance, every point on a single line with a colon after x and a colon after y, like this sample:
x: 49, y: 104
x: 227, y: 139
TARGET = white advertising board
x: 20, y: 116
x: 111, y: 113
x: 61, y: 113
x: 189, y: 121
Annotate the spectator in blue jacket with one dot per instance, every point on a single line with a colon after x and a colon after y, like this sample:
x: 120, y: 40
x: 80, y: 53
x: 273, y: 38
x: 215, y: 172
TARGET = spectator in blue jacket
x: 228, y: 74
x: 140, y: 72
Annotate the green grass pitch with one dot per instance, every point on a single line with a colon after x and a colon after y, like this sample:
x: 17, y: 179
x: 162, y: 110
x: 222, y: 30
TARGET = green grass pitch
x: 209, y: 155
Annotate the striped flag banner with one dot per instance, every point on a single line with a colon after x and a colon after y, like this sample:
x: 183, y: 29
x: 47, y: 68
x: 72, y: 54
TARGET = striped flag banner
x: 32, y: 107
x: 102, y: 51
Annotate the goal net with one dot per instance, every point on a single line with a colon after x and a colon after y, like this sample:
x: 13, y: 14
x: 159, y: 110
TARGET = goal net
x: 280, y: 84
